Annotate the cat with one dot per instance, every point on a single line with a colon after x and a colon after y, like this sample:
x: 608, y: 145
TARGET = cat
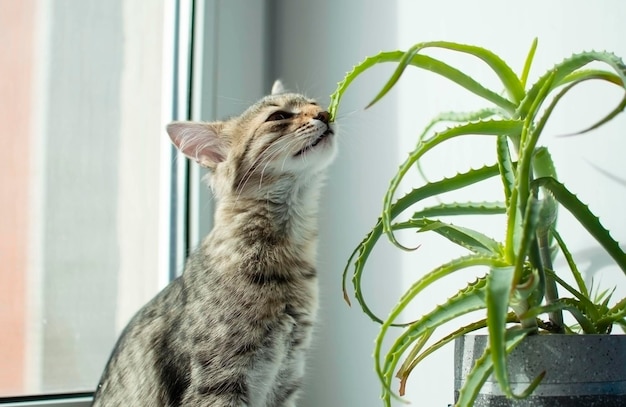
x: 234, y: 328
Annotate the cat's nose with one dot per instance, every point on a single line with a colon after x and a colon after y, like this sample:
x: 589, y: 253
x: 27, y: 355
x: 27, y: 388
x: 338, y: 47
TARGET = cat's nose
x: 323, y: 116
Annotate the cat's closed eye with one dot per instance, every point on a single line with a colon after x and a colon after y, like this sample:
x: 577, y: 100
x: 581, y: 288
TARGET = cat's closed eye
x: 280, y: 115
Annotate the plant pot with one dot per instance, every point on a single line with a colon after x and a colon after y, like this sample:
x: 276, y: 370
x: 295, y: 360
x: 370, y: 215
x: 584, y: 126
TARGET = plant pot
x: 581, y: 370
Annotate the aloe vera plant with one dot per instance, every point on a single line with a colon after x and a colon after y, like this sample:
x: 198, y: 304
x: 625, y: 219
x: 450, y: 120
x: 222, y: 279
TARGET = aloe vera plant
x: 520, y: 287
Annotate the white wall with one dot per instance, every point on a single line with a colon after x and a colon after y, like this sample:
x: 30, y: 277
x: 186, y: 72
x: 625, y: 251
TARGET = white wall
x: 317, y: 42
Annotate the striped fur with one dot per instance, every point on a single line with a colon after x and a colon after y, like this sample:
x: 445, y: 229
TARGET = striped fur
x: 233, y: 330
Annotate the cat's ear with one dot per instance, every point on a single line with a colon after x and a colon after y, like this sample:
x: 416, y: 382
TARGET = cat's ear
x: 200, y: 142
x: 278, y: 87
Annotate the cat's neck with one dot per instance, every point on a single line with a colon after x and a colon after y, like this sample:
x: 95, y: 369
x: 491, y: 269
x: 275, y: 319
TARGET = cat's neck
x: 287, y: 212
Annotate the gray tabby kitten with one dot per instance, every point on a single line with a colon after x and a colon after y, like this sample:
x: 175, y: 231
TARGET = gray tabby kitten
x: 234, y: 328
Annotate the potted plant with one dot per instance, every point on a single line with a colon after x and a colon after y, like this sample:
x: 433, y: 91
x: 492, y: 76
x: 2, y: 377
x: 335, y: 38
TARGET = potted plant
x: 521, y: 295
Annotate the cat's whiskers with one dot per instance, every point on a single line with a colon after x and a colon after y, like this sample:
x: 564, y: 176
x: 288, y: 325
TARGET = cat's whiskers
x: 345, y: 115
x: 290, y: 143
x: 263, y: 157
x: 279, y: 148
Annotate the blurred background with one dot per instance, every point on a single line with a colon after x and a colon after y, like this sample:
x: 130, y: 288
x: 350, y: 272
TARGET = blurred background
x: 97, y: 213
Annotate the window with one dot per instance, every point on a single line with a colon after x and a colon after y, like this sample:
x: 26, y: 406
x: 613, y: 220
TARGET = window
x: 88, y: 187
x: 97, y: 210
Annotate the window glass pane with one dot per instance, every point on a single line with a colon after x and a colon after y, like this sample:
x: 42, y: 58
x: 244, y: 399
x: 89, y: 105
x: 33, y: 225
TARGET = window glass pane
x: 81, y: 184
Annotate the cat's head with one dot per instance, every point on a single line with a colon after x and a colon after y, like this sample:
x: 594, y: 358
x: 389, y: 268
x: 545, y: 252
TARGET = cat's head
x: 283, y: 137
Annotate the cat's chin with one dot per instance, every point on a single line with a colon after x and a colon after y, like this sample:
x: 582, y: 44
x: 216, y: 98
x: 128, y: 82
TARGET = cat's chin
x: 319, y: 142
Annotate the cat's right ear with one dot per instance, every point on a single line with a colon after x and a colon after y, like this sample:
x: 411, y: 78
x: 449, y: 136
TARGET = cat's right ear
x: 200, y: 142
x: 278, y: 87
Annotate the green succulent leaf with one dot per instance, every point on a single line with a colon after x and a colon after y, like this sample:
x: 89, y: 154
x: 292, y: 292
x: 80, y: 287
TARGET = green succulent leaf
x: 571, y: 305
x: 580, y: 281
x: 528, y: 63
x: 529, y: 227
x: 505, y: 166
x: 363, y: 250
x: 499, y: 288
x: 562, y: 71
x: 584, y: 303
x: 462, y: 208
x: 507, y: 76
x: 618, y: 109
x: 416, y: 356
x: 489, y: 128
x: 430, y: 321
x: 460, y: 117
x: 586, y: 218
x: 613, y: 316
x: 455, y: 117
x: 585, y: 75
x: 342, y: 86
x: 465, y: 237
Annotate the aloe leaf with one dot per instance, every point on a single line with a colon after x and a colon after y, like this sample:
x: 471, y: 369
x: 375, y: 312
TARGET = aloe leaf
x: 562, y: 70
x: 342, y: 86
x: 614, y: 316
x: 419, y: 345
x: 484, y: 366
x: 413, y: 359
x: 447, y: 71
x: 426, y: 280
x: 465, y: 237
x: 499, y: 286
x: 618, y: 109
x: 505, y: 164
x: 529, y: 225
x: 584, y: 75
x: 586, y: 218
x: 361, y: 253
x: 520, y: 195
x: 528, y: 63
x: 455, y: 117
x: 543, y: 165
x: 606, y: 295
x: 588, y: 306
x: 462, y: 208
x: 470, y: 298
x: 571, y: 84
x: 592, y: 74
x: 577, y: 61
x: 529, y: 139
x: 460, y: 117
x: 493, y: 128
x: 505, y: 73
x: 571, y: 263
x: 509, y: 79
x: 566, y: 304
x: 421, y: 61
x: 520, y: 192
x: 619, y: 307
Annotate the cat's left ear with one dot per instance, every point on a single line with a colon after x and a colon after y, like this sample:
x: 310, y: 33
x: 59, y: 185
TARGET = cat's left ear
x: 201, y: 142
x: 278, y: 87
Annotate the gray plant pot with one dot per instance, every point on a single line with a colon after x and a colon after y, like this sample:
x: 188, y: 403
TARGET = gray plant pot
x: 581, y: 370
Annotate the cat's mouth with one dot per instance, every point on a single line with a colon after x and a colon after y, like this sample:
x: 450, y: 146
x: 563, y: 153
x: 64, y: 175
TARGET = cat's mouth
x: 329, y: 132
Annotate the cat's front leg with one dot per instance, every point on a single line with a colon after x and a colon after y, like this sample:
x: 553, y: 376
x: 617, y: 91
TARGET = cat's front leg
x: 224, y: 394
x: 221, y: 400
x: 217, y: 380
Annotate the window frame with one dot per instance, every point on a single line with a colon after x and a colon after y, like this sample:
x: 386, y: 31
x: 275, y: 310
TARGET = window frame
x: 181, y: 23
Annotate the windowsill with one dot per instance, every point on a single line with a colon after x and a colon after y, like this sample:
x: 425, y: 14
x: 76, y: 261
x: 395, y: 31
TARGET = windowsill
x: 61, y: 400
